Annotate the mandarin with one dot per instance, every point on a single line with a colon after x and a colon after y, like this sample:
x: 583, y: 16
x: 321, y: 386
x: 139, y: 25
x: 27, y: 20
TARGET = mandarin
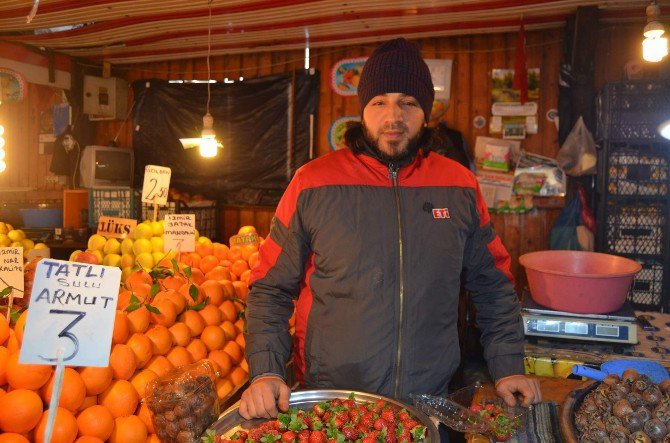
x: 245, y: 277
x: 4, y: 330
x: 229, y: 329
x: 179, y: 356
x: 224, y: 387
x: 20, y: 411
x: 161, y: 340
x: 214, y: 290
x: 73, y: 390
x: 137, y: 278
x: 26, y: 376
x: 144, y: 414
x: 185, y: 292
x: 20, y: 326
x: 88, y: 439
x: 167, y: 313
x: 141, y: 346
x: 239, y: 266
x: 10, y: 437
x: 227, y: 308
x: 121, y: 328
x: 228, y: 288
x: 139, y: 320
x: 64, y: 428
x: 235, y: 351
x: 241, y: 341
x: 211, y: 315
x: 241, y: 290
x: 160, y: 365
x: 213, y: 337
x: 197, y: 276
x: 253, y: 260
x: 89, y: 401
x: 180, y: 333
x: 222, y: 360
x: 234, y: 254
x: 122, y: 361
x: 130, y: 429
x: 141, y: 379
x: 173, y: 282
x: 207, y: 263
x: 4, y: 356
x: 174, y: 297
x: 197, y: 349
x: 96, y: 379
x: 220, y: 250
x: 194, y: 321
x: 247, y: 250
x: 120, y: 398
x: 96, y: 421
x: 238, y: 376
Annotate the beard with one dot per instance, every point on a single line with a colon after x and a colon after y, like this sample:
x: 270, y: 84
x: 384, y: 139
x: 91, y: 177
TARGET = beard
x: 401, y: 151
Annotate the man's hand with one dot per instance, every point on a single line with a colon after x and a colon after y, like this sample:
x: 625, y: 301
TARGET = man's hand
x: 263, y: 396
x: 529, y: 388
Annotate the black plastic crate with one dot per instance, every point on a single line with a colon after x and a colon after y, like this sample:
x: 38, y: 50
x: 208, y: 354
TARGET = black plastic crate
x: 632, y: 110
x: 206, y: 215
x: 638, y: 168
x: 112, y: 202
x: 646, y: 293
x: 636, y: 227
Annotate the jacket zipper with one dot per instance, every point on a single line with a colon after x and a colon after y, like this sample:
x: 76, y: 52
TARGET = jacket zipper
x: 393, y: 174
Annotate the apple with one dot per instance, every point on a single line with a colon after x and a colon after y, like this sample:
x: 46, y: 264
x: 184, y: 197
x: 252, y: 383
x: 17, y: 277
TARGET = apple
x: 86, y: 257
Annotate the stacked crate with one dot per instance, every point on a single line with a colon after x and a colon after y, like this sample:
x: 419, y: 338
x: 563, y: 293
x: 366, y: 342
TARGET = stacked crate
x: 633, y: 184
x: 206, y: 214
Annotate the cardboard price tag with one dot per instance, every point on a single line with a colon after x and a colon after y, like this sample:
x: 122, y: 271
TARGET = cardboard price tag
x: 179, y: 234
x: 156, y: 184
x: 72, y: 309
x: 116, y: 227
x: 11, y: 270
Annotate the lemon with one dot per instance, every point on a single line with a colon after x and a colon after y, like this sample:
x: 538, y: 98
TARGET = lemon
x: 16, y: 235
x: 127, y: 245
x: 111, y: 260
x: 145, y: 259
x: 112, y: 246
x: 96, y: 242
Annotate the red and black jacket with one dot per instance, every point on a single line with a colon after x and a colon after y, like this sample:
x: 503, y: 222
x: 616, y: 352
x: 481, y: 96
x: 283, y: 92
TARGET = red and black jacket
x: 375, y: 258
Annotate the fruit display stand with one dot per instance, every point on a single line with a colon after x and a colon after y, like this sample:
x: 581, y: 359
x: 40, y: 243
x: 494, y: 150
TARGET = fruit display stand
x: 206, y: 214
x: 169, y: 314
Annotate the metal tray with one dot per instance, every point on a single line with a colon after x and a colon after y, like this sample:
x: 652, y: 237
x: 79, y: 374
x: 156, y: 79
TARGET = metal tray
x: 230, y: 421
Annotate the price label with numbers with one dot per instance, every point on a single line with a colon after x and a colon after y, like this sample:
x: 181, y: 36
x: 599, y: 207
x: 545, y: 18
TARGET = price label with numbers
x: 11, y: 270
x: 156, y: 184
x: 179, y: 233
x: 72, y: 308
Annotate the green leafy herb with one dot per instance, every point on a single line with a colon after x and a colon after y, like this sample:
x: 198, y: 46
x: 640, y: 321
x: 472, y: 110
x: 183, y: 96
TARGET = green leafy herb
x: 418, y: 433
x: 209, y: 437
x: 270, y: 438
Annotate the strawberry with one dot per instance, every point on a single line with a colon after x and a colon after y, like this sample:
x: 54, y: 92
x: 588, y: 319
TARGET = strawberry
x: 403, y: 415
x: 350, y: 404
x: 320, y: 408
x: 318, y: 437
x: 350, y: 433
x: 380, y: 424
x: 367, y: 420
x: 256, y: 434
x: 409, y: 424
x: 242, y: 435
x: 304, y: 435
x: 288, y: 437
x: 388, y: 415
x: 369, y: 439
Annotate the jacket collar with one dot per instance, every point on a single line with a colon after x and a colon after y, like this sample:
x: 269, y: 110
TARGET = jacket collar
x: 406, y: 168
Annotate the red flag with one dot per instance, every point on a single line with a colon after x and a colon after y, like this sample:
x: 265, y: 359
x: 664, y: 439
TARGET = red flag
x: 520, y: 70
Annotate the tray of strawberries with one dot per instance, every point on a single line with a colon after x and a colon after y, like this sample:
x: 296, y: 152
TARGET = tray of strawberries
x: 329, y: 415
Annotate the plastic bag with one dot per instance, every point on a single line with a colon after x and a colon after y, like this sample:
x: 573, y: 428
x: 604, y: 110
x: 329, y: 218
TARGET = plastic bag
x: 183, y: 402
x: 573, y: 229
x: 577, y: 156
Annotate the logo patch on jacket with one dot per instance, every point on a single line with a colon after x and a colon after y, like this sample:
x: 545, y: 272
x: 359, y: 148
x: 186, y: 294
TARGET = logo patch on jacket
x: 441, y: 213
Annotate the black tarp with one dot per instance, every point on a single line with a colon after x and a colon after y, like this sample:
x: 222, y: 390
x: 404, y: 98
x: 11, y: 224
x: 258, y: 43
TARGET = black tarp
x: 251, y: 119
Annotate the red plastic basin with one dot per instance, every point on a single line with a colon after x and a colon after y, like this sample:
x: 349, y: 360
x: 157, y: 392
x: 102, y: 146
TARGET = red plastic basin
x: 579, y: 281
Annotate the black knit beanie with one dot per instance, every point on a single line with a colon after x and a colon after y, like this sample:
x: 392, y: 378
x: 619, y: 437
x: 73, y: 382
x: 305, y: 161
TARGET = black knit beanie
x: 397, y: 66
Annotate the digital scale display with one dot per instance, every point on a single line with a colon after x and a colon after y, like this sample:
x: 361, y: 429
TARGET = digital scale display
x: 576, y: 328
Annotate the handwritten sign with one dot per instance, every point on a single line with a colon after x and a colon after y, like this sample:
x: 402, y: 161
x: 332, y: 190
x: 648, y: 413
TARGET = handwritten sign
x: 11, y: 270
x: 156, y: 184
x: 115, y: 227
x: 72, y: 309
x: 39, y: 252
x: 179, y: 234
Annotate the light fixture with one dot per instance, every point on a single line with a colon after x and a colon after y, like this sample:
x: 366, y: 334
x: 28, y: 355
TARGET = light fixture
x: 654, y: 45
x: 664, y: 129
x: 207, y: 144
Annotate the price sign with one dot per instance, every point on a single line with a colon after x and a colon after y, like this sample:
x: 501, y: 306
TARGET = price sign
x: 11, y: 270
x: 39, y: 252
x: 72, y: 310
x: 115, y: 227
x: 156, y: 184
x: 179, y: 234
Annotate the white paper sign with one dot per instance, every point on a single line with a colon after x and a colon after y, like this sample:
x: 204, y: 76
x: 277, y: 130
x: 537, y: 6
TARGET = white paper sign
x: 179, y: 233
x: 11, y: 270
x: 72, y: 307
x: 156, y: 184
x: 39, y: 252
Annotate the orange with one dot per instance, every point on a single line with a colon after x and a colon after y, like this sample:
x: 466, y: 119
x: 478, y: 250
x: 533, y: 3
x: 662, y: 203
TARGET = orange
x: 213, y: 337
x: 241, y: 290
x: 88, y: 439
x: 229, y: 329
x: 194, y: 321
x: 180, y: 333
x: 173, y: 282
x: 20, y: 411
x: 26, y: 376
x: 226, y: 264
x: 4, y: 356
x: 207, y: 263
x: 248, y: 229
x: 153, y: 438
x: 89, y: 401
x: 144, y: 414
x: 185, y: 291
x: 73, y: 390
x: 161, y: 340
x: 203, y: 250
x: 253, y: 260
x: 139, y: 319
x: 13, y: 344
x: 121, y: 328
x: 211, y: 315
x: 228, y: 311
x: 247, y: 250
x: 167, y: 313
x: 120, y: 398
x: 191, y: 259
x: 245, y: 277
x: 214, y: 290
x: 197, y: 349
x: 173, y: 296
x: 122, y: 361
x: 238, y: 267
x: 223, y: 360
x: 160, y: 365
x: 234, y: 350
x: 179, y: 356
x: 239, y: 307
x: 141, y: 379
x: 13, y: 438
x: 141, y: 346
x: 197, y: 276
x: 228, y: 288
x: 223, y: 388
x: 241, y: 341
x: 20, y: 325
x: 96, y: 379
x: 123, y: 300
x: 234, y: 254
x: 238, y: 376
x: 218, y: 273
x: 4, y: 330
x: 244, y: 365
x: 129, y: 429
x: 96, y: 421
x: 220, y: 250
x: 64, y: 429
x: 137, y: 278
x: 239, y: 325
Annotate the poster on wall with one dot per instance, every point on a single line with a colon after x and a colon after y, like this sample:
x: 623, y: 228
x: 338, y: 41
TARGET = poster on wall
x: 345, y: 75
x: 337, y: 129
x: 502, y: 89
x: 13, y: 86
x: 440, y: 72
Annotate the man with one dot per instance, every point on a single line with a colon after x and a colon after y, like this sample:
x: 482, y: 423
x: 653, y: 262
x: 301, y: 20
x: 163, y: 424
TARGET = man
x: 374, y: 242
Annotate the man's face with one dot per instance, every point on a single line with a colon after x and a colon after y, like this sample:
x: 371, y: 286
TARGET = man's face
x: 391, y: 122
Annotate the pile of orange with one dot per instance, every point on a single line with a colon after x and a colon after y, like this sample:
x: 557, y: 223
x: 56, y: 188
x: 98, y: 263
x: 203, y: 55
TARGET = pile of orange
x: 105, y: 404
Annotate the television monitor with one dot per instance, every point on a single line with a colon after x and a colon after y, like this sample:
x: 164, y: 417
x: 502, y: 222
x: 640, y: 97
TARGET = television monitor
x: 106, y: 167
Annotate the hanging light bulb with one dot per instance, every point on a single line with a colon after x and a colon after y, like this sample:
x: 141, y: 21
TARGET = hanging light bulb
x: 654, y: 46
x: 664, y: 129
x: 208, y: 143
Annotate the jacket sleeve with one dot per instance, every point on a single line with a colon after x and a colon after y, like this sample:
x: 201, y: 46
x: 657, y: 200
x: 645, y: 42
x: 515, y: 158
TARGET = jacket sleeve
x: 491, y: 286
x: 275, y: 283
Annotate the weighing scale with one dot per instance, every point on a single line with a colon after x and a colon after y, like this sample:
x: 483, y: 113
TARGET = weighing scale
x: 619, y: 326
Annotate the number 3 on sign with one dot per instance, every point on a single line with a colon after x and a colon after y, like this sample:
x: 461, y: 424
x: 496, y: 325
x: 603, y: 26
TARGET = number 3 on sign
x: 67, y: 334
x: 156, y: 184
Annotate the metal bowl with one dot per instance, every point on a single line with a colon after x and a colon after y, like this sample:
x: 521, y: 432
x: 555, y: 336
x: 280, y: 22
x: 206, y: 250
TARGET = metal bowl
x: 230, y: 421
